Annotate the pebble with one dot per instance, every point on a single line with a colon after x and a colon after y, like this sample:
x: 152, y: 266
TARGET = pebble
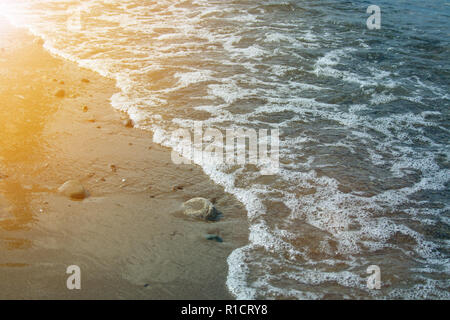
x: 214, y: 237
x: 39, y: 42
x: 60, y: 93
x: 175, y: 188
x: 128, y: 123
x: 73, y: 189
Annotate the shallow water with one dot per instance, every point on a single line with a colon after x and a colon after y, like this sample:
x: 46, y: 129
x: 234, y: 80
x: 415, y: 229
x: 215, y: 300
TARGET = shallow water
x: 363, y: 116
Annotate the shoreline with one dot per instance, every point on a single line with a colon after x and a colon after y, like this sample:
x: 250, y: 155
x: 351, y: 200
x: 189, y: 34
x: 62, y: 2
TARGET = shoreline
x: 129, y: 237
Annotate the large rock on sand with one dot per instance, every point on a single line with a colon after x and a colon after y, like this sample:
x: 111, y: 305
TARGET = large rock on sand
x: 73, y: 189
x: 200, y: 208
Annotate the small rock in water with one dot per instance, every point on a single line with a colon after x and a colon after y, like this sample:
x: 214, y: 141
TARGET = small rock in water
x: 128, y: 123
x: 200, y: 208
x: 85, y: 80
x: 113, y: 167
x: 73, y: 189
x: 85, y: 108
x: 61, y: 82
x: 60, y: 93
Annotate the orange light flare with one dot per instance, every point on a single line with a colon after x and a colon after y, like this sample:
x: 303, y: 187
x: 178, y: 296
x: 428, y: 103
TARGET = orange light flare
x: 9, y: 13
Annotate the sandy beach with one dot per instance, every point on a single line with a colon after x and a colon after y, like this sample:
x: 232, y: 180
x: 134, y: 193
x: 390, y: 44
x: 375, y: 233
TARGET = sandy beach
x: 129, y: 236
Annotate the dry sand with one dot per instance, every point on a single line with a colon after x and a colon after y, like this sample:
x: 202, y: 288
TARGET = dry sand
x: 129, y: 237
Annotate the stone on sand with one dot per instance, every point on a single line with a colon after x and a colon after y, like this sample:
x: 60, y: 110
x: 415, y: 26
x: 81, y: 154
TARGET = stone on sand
x: 128, y: 123
x: 60, y: 93
x: 39, y: 41
x: 73, y: 189
x: 175, y: 188
x: 200, y: 208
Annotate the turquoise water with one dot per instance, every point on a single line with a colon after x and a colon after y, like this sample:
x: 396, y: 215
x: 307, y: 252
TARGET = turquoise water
x: 363, y: 115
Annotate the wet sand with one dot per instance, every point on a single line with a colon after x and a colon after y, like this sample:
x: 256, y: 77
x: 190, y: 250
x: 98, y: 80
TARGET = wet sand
x: 129, y: 237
